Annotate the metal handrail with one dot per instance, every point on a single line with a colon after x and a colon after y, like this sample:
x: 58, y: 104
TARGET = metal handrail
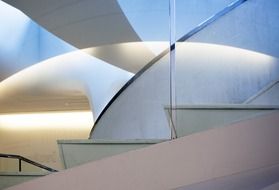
x: 21, y: 158
x: 188, y: 35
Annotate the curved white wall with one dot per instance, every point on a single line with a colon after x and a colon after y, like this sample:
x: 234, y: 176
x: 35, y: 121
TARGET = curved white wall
x: 216, y: 74
x: 138, y: 112
x: 205, y: 74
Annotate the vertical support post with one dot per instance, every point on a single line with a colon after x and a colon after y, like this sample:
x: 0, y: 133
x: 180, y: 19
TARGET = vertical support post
x: 19, y: 165
x: 172, y: 41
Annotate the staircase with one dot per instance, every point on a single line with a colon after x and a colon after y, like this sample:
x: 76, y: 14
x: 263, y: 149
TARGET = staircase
x: 10, y: 178
x: 243, y: 155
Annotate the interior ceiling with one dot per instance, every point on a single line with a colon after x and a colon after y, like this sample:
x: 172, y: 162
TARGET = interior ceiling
x: 128, y: 56
x: 83, y: 24
x: 61, y: 83
x: 99, y: 25
x: 35, y: 95
x: 43, y: 103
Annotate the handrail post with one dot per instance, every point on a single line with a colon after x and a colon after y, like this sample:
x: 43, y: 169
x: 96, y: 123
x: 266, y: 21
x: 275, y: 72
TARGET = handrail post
x: 19, y: 165
x: 172, y: 43
x: 21, y: 158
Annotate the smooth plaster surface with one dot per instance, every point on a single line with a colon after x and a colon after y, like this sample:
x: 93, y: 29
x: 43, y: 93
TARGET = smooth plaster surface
x: 258, y: 179
x: 196, y: 158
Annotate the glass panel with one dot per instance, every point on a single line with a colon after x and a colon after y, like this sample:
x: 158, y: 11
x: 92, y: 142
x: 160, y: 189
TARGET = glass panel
x: 232, y: 60
x: 138, y: 111
x: 8, y: 165
x: 196, y: 118
x: 191, y: 13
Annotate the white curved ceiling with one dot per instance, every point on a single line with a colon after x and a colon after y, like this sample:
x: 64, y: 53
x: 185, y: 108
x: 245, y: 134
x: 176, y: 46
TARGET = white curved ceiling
x: 99, y: 25
x: 104, y: 25
x: 72, y: 81
x: 130, y: 56
x: 84, y: 23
